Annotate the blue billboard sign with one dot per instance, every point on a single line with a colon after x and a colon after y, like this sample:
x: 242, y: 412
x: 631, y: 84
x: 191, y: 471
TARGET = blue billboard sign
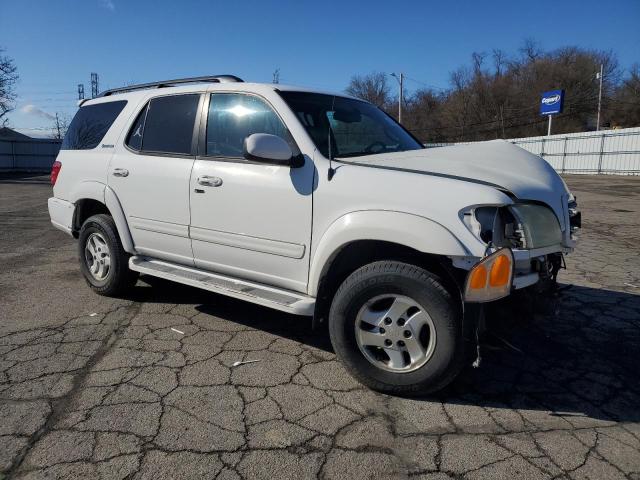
x: 551, y: 102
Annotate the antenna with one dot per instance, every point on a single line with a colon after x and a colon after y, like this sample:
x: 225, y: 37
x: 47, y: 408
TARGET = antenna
x: 331, y: 172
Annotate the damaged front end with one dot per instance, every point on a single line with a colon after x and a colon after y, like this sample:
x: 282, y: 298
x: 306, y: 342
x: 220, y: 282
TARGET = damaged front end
x: 532, y: 232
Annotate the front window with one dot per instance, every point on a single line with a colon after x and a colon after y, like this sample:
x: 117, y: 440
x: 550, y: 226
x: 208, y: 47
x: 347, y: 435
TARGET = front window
x: 235, y: 116
x: 342, y: 127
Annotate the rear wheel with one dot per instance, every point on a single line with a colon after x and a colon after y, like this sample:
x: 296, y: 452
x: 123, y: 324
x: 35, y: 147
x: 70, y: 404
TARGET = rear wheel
x: 397, y: 329
x: 103, y: 261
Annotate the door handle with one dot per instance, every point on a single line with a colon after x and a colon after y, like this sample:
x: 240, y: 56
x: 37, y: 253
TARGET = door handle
x: 120, y: 172
x: 208, y: 181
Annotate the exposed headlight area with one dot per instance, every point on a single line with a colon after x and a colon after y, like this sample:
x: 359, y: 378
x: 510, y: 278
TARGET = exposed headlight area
x: 521, y: 225
x: 575, y: 216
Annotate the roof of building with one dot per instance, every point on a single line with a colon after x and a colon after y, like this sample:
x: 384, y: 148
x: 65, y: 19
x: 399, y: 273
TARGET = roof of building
x: 8, y: 133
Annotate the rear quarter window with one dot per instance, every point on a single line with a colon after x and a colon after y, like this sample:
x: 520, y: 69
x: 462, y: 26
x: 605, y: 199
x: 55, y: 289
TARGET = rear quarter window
x: 91, y: 124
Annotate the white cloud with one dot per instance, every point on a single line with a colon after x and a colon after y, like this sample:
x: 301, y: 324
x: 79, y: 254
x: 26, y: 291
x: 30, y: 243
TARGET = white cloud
x: 108, y: 4
x: 33, y: 110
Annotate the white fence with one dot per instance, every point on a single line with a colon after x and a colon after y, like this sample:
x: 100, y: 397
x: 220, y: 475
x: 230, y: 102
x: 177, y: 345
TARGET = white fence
x: 608, y: 152
x: 31, y: 155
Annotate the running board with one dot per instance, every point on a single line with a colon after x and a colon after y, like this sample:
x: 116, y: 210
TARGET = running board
x: 284, y: 300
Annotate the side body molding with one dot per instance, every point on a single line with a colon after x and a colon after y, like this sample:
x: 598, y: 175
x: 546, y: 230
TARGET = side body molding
x: 413, y: 231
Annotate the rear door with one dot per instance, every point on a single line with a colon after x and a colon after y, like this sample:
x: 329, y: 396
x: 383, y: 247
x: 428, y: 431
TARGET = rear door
x: 150, y: 174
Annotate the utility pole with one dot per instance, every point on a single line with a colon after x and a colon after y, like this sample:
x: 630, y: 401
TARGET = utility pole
x: 400, y: 79
x: 81, y: 91
x: 58, y: 127
x: 94, y: 85
x: 599, y: 75
x: 276, y: 76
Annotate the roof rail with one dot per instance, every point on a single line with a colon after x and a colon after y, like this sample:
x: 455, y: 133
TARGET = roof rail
x: 171, y: 83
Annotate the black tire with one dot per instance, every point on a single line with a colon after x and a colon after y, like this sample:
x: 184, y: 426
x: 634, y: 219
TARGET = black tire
x: 426, y: 289
x: 118, y: 278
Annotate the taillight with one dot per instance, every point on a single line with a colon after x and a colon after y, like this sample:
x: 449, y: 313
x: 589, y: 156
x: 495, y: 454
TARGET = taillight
x: 55, y: 170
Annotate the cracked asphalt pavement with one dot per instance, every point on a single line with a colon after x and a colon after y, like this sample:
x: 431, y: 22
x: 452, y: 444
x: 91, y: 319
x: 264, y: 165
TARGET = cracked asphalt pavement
x: 145, y: 387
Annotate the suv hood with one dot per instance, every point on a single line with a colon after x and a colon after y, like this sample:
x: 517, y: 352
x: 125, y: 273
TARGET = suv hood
x: 497, y: 163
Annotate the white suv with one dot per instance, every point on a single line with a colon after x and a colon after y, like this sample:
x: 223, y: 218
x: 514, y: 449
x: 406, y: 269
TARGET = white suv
x: 314, y: 204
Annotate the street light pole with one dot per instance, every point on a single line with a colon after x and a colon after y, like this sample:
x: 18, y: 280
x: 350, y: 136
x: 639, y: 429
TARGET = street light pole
x: 600, y: 75
x: 401, y: 98
x: 400, y: 79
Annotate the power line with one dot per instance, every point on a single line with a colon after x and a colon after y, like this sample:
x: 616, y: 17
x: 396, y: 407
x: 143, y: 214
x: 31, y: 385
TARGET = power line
x: 424, y: 84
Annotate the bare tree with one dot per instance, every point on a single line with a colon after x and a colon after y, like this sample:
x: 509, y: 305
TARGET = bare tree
x: 626, y: 100
x: 8, y: 78
x: 500, y: 98
x: 530, y: 49
x: 60, y: 126
x: 499, y: 60
x: 372, y: 88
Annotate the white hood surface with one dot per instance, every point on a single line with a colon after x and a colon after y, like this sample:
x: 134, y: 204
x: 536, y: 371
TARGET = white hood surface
x: 496, y: 162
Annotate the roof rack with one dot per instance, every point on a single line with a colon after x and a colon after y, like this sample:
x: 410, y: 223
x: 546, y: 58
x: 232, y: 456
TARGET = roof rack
x: 171, y: 83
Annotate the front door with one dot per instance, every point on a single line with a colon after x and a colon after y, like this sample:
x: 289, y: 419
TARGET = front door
x: 150, y: 176
x: 249, y: 220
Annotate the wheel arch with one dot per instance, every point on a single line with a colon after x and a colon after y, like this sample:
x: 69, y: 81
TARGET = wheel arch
x: 93, y: 203
x: 364, y: 237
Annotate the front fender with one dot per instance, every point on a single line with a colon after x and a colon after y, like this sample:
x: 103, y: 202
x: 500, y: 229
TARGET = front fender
x: 407, y: 229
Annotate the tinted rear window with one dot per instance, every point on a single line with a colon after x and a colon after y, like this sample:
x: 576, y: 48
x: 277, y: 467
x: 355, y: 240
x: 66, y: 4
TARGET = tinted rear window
x: 90, y: 125
x: 169, y: 124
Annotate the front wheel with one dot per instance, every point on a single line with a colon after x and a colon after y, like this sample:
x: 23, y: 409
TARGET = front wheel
x: 103, y: 261
x: 397, y: 329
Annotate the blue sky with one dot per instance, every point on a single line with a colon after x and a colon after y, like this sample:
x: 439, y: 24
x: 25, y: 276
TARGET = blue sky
x: 57, y: 44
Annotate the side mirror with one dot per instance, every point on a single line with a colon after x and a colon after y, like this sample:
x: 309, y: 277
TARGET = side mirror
x: 266, y: 148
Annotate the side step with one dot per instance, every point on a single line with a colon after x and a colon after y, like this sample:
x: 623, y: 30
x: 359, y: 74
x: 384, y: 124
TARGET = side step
x: 284, y: 300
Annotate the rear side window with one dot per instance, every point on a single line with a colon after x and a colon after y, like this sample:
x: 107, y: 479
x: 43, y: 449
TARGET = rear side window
x: 167, y: 126
x: 91, y: 124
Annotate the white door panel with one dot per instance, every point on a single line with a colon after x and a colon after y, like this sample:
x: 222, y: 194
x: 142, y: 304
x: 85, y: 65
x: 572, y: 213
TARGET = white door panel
x: 155, y: 199
x: 256, y: 224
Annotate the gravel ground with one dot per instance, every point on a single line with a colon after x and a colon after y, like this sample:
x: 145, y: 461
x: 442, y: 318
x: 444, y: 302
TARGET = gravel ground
x: 143, y: 386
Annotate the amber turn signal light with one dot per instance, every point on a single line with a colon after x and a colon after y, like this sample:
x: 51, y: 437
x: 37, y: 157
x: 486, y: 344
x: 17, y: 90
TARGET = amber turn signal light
x: 491, y: 278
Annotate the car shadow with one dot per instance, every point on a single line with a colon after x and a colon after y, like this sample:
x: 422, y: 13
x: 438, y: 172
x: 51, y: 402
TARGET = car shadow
x: 580, y: 360
x: 32, y: 178
x: 294, y: 327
